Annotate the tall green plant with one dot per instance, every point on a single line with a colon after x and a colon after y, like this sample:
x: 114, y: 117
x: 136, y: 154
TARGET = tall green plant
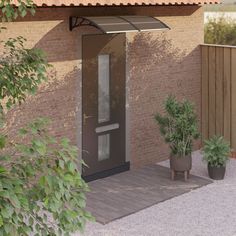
x: 178, y: 126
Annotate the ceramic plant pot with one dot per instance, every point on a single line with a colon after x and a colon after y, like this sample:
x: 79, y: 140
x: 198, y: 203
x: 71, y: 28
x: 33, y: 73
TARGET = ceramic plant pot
x: 216, y: 173
x: 182, y: 164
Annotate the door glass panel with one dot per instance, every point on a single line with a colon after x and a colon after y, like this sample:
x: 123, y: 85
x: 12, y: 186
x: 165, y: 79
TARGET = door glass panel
x: 103, y: 88
x: 107, y: 128
x: 103, y: 147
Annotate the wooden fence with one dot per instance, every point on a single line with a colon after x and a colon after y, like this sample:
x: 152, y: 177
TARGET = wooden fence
x: 219, y: 92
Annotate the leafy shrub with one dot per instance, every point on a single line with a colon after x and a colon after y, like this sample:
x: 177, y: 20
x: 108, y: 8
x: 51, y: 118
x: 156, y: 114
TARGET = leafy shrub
x: 41, y: 189
x: 220, y: 31
x: 178, y: 126
x: 216, y: 151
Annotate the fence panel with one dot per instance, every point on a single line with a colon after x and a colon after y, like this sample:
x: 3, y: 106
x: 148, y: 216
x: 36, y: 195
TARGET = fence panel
x: 219, y: 92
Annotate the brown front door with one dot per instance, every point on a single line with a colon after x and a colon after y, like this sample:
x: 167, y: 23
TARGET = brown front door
x: 103, y: 104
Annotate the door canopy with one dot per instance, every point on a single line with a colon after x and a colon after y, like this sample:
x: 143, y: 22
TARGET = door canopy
x: 119, y: 24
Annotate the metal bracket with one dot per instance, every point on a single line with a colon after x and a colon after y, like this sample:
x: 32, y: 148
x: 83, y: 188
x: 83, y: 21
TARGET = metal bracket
x: 76, y: 21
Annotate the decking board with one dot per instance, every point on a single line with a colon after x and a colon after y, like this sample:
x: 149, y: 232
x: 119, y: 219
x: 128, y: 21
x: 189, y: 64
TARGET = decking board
x: 126, y: 193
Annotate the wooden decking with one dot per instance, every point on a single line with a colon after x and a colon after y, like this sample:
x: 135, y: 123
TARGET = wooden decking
x: 126, y: 193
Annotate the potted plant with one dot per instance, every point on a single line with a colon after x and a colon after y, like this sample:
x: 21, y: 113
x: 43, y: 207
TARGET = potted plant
x: 179, y: 128
x: 216, y: 153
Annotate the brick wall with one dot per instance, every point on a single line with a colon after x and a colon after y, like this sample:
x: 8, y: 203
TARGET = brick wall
x: 162, y: 64
x: 159, y: 63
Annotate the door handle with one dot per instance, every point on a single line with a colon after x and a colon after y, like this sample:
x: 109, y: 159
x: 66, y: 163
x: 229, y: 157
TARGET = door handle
x: 85, y: 117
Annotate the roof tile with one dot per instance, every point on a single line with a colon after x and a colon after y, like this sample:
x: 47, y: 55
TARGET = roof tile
x: 58, y: 3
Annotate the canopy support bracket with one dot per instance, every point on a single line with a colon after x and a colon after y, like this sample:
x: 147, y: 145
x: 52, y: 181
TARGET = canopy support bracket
x: 76, y: 21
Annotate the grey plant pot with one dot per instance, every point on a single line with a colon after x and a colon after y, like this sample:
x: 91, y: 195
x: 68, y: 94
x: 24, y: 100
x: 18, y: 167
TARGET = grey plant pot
x: 217, y: 173
x: 178, y: 163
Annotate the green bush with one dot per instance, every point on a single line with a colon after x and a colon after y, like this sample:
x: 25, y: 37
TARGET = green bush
x: 41, y: 189
x: 216, y: 151
x: 178, y: 126
x: 220, y: 31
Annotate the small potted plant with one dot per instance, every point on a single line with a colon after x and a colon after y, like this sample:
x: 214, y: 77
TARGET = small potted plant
x: 179, y: 128
x: 216, y: 153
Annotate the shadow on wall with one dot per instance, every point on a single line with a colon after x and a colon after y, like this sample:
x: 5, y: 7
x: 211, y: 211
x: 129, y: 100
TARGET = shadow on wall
x: 60, y: 44
x: 154, y: 60
x: 148, y: 52
x: 56, y: 100
x: 157, y: 68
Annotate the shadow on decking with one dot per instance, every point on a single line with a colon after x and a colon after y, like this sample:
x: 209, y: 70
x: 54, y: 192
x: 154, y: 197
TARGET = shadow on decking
x: 126, y: 193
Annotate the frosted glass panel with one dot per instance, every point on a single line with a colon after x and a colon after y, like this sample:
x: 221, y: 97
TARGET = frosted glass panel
x: 107, y: 128
x: 103, y: 88
x: 103, y: 147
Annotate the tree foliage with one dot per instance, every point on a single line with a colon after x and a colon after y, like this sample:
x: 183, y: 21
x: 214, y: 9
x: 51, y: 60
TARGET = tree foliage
x: 21, y: 71
x: 220, y: 31
x: 9, y: 12
x: 41, y: 189
x: 178, y: 125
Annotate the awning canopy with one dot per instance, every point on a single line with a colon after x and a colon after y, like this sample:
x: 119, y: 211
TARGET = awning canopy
x: 119, y: 24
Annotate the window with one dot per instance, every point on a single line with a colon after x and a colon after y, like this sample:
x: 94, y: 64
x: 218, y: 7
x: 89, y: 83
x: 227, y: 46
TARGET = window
x: 103, y: 88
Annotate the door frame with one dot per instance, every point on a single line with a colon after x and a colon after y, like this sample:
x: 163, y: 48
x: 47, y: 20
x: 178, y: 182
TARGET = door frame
x: 126, y: 165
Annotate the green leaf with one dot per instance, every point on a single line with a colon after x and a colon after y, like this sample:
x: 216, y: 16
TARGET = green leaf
x: 2, y: 170
x: 14, y: 200
x: 23, y: 13
x: 31, y: 220
x: 40, y: 147
x: 7, y: 211
x: 1, y: 221
x: 23, y: 131
x: 2, y: 141
x: 61, y: 164
x: 65, y: 141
